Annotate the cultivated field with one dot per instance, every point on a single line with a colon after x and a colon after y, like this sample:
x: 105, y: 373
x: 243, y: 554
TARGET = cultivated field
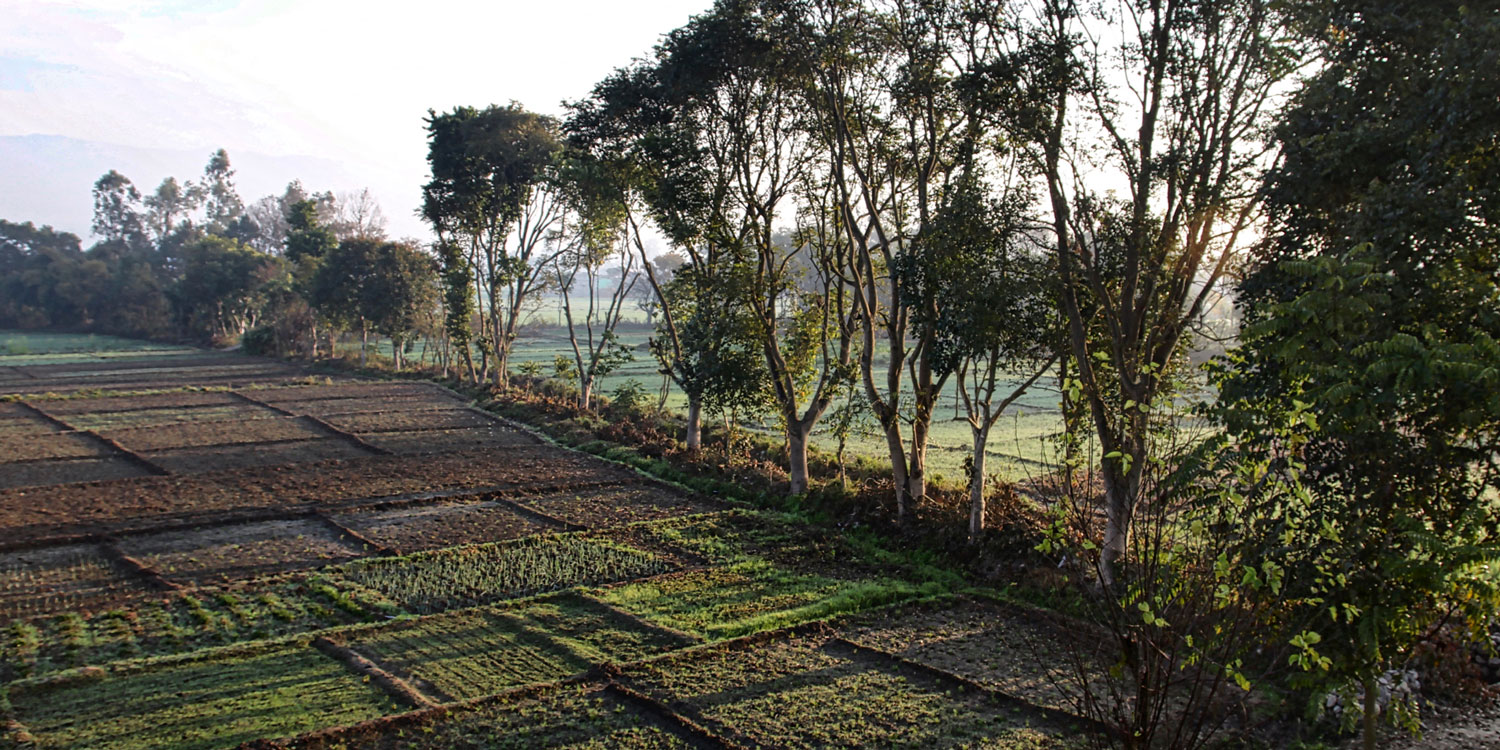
x: 205, y: 550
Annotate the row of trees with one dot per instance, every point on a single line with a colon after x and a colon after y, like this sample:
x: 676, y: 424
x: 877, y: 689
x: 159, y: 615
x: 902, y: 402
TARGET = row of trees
x: 881, y: 199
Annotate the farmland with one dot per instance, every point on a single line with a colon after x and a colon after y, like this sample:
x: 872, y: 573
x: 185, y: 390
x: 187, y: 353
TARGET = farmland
x: 203, y: 550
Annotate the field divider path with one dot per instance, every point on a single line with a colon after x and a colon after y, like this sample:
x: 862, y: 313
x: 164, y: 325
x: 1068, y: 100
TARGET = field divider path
x: 380, y: 550
x: 319, y: 422
x: 662, y: 711
x: 1062, y: 719
x: 113, y: 445
x: 257, y: 402
x: 637, y: 620
x: 111, y: 549
x: 399, y: 689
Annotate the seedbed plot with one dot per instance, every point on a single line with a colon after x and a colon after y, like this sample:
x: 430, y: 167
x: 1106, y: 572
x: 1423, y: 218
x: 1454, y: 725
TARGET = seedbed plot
x: 415, y: 528
x: 241, y: 550
x: 994, y: 645
x: 570, y: 715
x: 139, y: 503
x: 215, y: 433
x: 804, y: 692
x: 429, y: 398
x: 212, y: 702
x: 352, y: 390
x: 746, y: 597
x: 55, y: 445
x: 65, y: 471
x: 595, y: 631
x: 183, y: 622
x: 53, y: 579
x: 250, y: 455
x: 466, y: 576
x: 173, y: 400
x: 467, y: 654
x: 613, y: 506
x: 398, y: 421
x: 26, y: 426
x: 10, y: 410
x: 489, y: 437
x: 123, y: 420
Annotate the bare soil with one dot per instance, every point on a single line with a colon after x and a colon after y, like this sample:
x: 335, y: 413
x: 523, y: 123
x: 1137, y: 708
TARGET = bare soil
x: 615, y: 506
x: 423, y: 527
x: 177, y: 400
x: 56, y: 445
x: 148, y: 501
x: 215, y: 433
x: 412, y: 402
x: 493, y: 436
x: 249, y: 455
x: 70, y: 577
x: 225, y: 552
x: 29, y: 425
x: 395, y: 421
x: 34, y: 474
x: 346, y: 392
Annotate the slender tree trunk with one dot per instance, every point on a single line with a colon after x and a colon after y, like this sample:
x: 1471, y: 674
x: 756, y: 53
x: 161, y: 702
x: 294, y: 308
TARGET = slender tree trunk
x: 364, y: 342
x: 976, y: 484
x: 796, y: 444
x: 694, y: 424
x: 585, y: 390
x: 1371, y: 711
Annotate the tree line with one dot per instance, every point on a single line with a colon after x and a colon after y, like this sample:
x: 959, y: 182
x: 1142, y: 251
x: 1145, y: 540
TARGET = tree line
x: 868, y: 202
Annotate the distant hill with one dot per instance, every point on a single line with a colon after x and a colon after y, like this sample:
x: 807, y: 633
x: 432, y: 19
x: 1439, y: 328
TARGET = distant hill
x: 47, y: 179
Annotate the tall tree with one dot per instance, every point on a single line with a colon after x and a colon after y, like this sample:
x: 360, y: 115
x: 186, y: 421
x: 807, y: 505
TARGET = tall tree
x: 222, y: 204
x: 1165, y: 99
x: 170, y: 208
x: 1373, y: 328
x: 117, y: 210
x: 489, y: 195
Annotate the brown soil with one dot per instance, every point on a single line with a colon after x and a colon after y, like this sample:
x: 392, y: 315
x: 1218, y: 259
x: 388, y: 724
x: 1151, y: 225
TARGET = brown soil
x: 57, y: 445
x: 21, y: 426
x: 217, y: 458
x: 615, y: 506
x: 331, y: 406
x: 423, y: 527
x: 149, y: 501
x: 215, y: 433
x: 443, y: 441
x: 180, y: 400
x: 123, y: 420
x: 394, y: 421
x: 223, y: 552
x: 345, y: 392
x: 71, y: 577
x: 41, y: 473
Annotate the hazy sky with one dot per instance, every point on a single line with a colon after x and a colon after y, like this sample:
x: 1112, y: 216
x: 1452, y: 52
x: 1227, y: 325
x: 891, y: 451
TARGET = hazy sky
x: 348, y: 80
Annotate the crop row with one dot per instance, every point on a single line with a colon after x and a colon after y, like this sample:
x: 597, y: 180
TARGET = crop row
x: 466, y: 576
x: 217, y: 701
x: 181, y: 623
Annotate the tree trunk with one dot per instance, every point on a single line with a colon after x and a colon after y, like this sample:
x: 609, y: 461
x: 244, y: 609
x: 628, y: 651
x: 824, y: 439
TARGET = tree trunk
x: 695, y: 424
x: 396, y: 353
x: 976, y: 485
x: 897, y: 450
x: 1122, y: 490
x: 364, y: 342
x: 1372, y: 710
x: 585, y: 391
x: 796, y: 445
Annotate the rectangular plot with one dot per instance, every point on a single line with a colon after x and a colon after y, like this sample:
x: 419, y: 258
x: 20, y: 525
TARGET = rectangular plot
x: 426, y: 399
x: 346, y: 390
x: 69, y: 470
x: 249, y: 455
x: 26, y: 425
x: 239, y: 550
x: 212, y: 702
x: 805, y: 693
x: 427, y: 527
x: 120, y: 420
x: 468, y: 654
x: 596, y: 631
x: 55, y: 445
x: 175, y: 400
x: 215, y: 433
x: 613, y: 506
x: 996, y: 646
x: 10, y: 410
x: 56, y: 579
x: 466, y: 576
x: 393, y: 421
x: 490, y: 437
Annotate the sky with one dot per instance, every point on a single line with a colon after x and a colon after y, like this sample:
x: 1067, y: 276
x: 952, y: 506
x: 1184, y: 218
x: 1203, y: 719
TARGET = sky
x: 342, y: 80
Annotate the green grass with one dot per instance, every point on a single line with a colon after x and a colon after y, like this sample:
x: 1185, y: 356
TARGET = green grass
x: 750, y: 596
x: 181, y: 623
x: 580, y: 717
x: 467, y: 576
x: 799, y: 693
x: 184, y: 704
